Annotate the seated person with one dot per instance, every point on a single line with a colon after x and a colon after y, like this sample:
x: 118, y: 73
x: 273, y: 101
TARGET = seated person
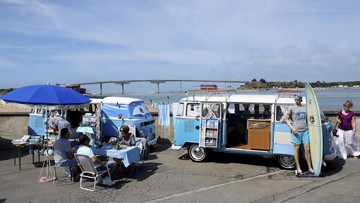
x: 84, y: 149
x: 126, y: 138
x: 63, y: 154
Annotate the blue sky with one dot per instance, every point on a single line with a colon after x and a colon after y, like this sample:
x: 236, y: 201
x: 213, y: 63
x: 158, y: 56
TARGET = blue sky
x: 88, y: 40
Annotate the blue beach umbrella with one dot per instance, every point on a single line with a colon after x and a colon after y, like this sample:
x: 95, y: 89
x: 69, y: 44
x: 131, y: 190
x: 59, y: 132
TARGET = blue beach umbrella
x: 45, y: 95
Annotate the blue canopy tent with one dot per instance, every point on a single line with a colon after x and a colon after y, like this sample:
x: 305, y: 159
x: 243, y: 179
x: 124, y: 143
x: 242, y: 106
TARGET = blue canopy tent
x: 45, y: 95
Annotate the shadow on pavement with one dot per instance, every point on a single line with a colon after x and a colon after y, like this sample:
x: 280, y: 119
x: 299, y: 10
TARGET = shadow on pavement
x: 333, y: 167
x: 161, y: 145
x: 145, y: 170
x: 7, y: 149
x: 227, y: 158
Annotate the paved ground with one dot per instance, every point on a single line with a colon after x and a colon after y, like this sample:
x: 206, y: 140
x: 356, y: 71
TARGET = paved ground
x: 166, y: 178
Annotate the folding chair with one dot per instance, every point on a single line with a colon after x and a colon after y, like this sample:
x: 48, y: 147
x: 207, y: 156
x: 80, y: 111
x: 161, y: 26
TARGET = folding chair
x: 144, y: 153
x: 67, y: 172
x: 88, y: 170
x: 139, y: 144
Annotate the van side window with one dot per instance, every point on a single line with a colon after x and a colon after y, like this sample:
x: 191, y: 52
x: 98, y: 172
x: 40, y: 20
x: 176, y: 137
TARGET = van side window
x: 281, y: 112
x: 180, y: 110
x: 193, y: 110
x: 246, y: 112
x: 211, y: 111
x: 230, y: 109
x: 266, y: 113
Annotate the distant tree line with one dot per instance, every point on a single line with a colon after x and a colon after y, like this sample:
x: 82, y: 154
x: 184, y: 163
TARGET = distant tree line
x: 4, y: 91
x: 263, y: 84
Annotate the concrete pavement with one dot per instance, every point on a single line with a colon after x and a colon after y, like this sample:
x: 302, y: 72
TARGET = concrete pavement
x: 165, y: 178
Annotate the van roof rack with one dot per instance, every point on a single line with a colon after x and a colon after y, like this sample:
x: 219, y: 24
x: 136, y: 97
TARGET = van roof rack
x: 288, y: 92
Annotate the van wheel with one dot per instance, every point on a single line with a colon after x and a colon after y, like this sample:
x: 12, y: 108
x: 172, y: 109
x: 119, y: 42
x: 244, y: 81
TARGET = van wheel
x: 286, y: 161
x: 197, y: 153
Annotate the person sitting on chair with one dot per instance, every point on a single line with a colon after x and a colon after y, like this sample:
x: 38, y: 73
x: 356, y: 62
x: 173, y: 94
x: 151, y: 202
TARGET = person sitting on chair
x: 126, y: 138
x: 84, y: 149
x: 63, y: 154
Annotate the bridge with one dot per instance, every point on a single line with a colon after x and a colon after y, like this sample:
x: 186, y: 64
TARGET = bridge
x: 157, y: 82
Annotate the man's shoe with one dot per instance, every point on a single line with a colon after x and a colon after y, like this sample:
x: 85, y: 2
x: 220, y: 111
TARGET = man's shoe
x: 99, y: 180
x: 107, y: 181
x: 299, y: 174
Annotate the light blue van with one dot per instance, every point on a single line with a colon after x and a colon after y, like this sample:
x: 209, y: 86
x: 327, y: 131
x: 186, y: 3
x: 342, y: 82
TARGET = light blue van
x: 240, y: 124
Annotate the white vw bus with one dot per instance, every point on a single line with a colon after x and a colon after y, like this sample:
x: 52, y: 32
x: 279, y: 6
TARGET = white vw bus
x: 242, y: 124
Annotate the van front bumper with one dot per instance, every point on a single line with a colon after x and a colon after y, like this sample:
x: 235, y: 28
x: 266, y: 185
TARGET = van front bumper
x: 175, y: 147
x: 152, y: 142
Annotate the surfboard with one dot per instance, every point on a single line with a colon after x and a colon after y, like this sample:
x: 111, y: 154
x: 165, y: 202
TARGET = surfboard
x: 315, y: 129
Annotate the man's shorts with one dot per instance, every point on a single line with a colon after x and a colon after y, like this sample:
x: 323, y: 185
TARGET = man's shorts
x: 69, y: 162
x: 301, y: 138
x: 109, y: 165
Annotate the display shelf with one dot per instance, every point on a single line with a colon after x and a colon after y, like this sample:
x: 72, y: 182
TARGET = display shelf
x: 211, y: 133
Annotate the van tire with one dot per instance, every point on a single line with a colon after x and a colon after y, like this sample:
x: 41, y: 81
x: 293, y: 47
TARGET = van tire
x: 197, y: 153
x: 286, y: 161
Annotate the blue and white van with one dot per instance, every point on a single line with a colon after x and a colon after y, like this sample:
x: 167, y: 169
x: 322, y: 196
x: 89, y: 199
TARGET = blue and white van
x: 118, y: 111
x: 241, y: 124
x: 104, y: 117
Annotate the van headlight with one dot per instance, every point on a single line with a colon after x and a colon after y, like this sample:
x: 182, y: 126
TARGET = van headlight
x: 141, y: 133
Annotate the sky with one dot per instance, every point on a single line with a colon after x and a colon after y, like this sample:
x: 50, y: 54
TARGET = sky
x: 64, y: 42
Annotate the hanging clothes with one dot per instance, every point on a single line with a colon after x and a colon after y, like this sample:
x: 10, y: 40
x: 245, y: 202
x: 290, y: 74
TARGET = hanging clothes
x: 164, y: 114
x: 174, y: 110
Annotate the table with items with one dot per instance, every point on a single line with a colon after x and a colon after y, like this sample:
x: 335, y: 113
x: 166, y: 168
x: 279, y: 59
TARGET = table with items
x: 127, y: 154
x: 26, y: 141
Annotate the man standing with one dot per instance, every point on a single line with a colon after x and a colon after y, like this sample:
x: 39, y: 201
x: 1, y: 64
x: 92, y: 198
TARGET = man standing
x: 299, y: 133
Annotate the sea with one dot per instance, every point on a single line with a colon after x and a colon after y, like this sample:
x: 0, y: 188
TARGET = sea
x: 330, y: 99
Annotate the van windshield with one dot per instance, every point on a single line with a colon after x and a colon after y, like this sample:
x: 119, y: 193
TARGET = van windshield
x: 193, y: 109
x: 140, y: 110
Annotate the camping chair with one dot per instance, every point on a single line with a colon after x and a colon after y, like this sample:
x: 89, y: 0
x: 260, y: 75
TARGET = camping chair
x: 67, y: 171
x: 142, y: 145
x: 88, y: 170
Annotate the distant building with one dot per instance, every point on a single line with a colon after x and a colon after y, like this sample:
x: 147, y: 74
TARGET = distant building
x: 74, y: 87
x: 208, y: 87
x: 211, y: 88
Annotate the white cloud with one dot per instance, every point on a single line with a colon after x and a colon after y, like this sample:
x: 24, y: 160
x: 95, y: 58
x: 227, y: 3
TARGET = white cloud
x: 274, y: 40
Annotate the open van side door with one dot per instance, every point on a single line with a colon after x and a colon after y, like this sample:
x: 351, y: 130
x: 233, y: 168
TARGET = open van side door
x: 210, y: 125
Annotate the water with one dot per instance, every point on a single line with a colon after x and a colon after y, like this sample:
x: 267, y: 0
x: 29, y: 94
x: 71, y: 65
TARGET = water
x: 333, y: 99
x: 330, y: 99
